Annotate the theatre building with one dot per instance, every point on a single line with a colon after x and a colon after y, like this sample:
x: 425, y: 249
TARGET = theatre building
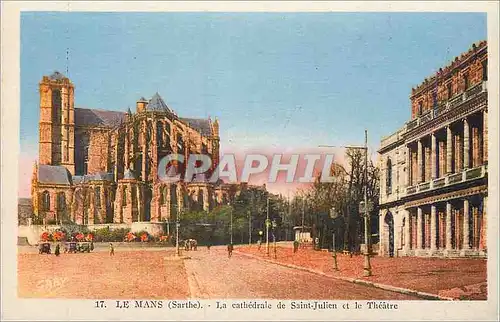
x: 434, y: 169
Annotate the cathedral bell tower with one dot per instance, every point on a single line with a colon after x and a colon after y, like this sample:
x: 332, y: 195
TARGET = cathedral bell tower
x: 57, y: 122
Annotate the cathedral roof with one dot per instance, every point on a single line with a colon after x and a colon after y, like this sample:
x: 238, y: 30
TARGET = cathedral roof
x: 156, y: 103
x: 57, y: 76
x: 90, y: 117
x: 201, y: 125
x: 100, y: 176
x: 53, y: 174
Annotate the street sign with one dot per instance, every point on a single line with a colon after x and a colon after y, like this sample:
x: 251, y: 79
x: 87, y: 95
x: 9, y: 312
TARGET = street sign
x: 362, y: 207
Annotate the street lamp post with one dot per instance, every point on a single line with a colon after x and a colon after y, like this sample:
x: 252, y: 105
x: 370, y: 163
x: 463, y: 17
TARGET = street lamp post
x: 367, y: 270
x: 334, y: 215
x: 267, y: 228
x: 274, y: 238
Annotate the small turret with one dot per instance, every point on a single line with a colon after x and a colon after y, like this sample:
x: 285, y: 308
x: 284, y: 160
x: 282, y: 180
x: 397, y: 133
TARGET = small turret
x: 141, y: 105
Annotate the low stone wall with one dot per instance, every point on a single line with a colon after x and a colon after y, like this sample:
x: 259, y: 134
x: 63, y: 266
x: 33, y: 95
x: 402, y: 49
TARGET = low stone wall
x: 33, y: 232
x: 153, y: 228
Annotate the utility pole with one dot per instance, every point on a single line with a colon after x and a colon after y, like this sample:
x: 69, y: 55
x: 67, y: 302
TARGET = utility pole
x: 367, y: 267
x: 267, y: 228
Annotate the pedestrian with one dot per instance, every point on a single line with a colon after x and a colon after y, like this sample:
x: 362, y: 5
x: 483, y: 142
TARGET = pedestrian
x: 111, y: 249
x: 229, y: 250
x: 259, y: 244
x: 295, y: 245
x: 57, y: 251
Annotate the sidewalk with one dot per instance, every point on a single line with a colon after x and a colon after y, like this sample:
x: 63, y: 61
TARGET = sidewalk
x: 448, y: 278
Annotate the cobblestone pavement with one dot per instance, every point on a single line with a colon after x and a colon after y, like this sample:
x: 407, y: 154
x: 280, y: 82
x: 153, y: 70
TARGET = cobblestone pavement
x: 457, y: 278
x: 97, y: 275
x: 212, y: 275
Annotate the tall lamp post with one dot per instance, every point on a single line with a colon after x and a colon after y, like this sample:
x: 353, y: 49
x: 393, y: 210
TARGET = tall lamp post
x: 268, y: 223
x: 274, y: 237
x: 367, y: 270
x: 334, y: 214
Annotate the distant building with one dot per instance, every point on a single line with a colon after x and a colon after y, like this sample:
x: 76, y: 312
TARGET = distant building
x: 434, y: 170
x: 24, y: 211
x: 100, y: 166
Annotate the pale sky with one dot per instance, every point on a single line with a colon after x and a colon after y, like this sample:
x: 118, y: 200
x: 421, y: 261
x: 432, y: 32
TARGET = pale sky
x: 274, y: 80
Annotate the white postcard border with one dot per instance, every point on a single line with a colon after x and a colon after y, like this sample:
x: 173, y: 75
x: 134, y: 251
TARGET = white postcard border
x: 35, y: 309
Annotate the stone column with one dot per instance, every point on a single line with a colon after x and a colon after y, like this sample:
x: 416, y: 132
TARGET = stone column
x: 433, y: 228
x: 449, y: 149
x: 466, y: 244
x: 382, y: 242
x: 485, y: 137
x: 466, y: 144
x: 103, y: 207
x: 408, y: 166
x: 128, y: 216
x: 118, y: 205
x: 419, y: 228
x: 407, y: 231
x: 483, y: 240
x: 448, y: 225
x: 206, y: 200
x: 168, y: 202
x: 434, y: 163
x: 91, y: 216
x: 419, y: 162
x: 116, y: 156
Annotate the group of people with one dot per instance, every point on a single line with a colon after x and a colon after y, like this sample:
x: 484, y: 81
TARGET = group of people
x: 190, y: 244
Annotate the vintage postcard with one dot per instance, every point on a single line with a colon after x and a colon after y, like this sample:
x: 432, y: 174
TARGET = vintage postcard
x: 249, y: 161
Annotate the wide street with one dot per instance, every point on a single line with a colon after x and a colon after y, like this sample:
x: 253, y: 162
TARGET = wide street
x: 133, y: 273
x: 211, y: 274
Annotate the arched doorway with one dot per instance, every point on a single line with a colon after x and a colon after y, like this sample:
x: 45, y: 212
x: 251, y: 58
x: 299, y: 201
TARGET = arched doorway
x: 389, y: 220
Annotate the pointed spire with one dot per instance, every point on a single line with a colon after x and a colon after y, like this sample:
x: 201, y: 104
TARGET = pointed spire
x: 128, y: 111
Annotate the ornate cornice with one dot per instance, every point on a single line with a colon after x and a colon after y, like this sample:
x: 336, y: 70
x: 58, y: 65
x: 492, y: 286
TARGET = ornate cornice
x: 470, y: 106
x: 448, y: 196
